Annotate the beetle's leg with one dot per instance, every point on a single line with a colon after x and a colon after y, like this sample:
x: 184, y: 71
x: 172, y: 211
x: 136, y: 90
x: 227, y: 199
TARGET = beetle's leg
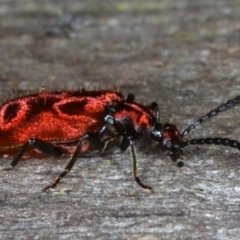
x: 126, y: 142
x: 94, y: 140
x: 42, y: 146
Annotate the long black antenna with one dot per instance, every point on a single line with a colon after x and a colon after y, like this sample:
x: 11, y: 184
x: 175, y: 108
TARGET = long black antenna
x: 215, y: 141
x: 212, y: 113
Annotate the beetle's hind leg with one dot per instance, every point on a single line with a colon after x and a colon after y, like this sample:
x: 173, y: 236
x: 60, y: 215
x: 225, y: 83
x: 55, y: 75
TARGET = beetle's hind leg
x: 42, y: 146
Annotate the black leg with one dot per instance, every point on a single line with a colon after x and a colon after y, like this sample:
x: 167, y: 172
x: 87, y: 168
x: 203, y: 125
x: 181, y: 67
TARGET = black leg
x: 134, y: 162
x: 94, y: 140
x: 42, y: 146
x: 124, y: 144
x: 107, y: 140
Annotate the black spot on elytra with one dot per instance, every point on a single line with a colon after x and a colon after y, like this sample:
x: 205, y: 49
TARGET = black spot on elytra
x: 73, y: 108
x: 11, y: 112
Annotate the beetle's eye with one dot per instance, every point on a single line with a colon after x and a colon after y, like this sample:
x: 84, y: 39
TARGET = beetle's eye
x: 168, y: 144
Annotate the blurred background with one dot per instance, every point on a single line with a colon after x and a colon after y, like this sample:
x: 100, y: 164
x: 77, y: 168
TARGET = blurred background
x: 183, y: 54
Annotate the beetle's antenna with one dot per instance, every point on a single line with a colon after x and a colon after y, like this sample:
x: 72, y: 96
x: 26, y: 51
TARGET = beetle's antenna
x: 215, y: 141
x: 212, y: 113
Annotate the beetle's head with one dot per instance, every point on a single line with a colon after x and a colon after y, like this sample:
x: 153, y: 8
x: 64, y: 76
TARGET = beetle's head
x: 169, y: 140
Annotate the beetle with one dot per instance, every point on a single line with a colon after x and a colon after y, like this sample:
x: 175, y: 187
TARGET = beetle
x: 56, y: 122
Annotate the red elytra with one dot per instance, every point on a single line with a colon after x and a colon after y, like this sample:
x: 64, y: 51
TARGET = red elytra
x: 57, y: 117
x: 52, y: 121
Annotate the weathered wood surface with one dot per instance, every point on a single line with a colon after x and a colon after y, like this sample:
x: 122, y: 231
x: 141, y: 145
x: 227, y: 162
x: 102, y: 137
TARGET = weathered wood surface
x: 184, y: 55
